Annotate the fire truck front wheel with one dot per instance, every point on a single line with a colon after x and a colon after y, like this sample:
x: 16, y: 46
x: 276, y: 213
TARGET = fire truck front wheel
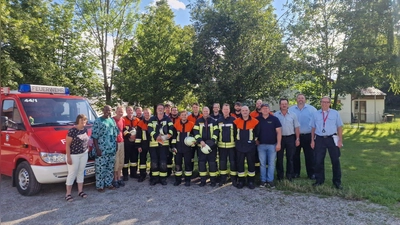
x: 25, y: 180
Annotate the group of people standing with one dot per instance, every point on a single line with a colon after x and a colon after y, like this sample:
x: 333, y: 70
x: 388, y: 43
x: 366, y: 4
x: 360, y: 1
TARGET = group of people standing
x: 259, y: 138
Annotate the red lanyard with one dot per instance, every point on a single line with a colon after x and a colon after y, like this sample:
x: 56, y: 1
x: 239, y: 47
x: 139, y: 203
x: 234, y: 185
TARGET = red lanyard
x: 325, y: 117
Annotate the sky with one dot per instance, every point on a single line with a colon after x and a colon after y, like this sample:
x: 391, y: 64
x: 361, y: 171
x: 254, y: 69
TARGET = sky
x: 182, y: 16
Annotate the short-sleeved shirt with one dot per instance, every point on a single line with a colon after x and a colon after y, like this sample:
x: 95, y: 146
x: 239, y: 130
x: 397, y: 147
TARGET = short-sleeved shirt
x: 80, y: 140
x: 289, y: 122
x: 120, y: 125
x: 304, y: 116
x: 267, y: 129
x: 332, y: 122
x: 105, y: 131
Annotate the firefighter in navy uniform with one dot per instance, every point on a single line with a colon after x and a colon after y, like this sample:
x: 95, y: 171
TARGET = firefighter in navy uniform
x: 247, y: 135
x: 160, y: 129
x: 194, y: 117
x: 183, y: 129
x: 206, y: 133
x: 142, y: 140
x: 226, y: 146
x: 131, y: 149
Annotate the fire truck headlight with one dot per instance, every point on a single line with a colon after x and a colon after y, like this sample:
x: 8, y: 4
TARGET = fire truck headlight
x: 52, y: 158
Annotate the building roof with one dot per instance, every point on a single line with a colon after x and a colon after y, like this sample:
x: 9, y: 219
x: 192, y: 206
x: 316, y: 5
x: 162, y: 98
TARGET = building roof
x: 372, y: 91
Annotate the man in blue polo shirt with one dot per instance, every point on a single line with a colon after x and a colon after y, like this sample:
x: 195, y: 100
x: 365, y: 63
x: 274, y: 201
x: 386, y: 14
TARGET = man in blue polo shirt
x: 269, y: 142
x: 304, y: 113
x: 326, y: 133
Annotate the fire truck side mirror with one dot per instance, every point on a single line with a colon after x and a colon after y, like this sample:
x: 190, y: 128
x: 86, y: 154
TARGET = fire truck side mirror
x: 4, y: 122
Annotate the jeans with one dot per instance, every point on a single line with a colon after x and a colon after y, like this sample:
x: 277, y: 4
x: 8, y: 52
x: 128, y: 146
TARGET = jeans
x: 267, y: 152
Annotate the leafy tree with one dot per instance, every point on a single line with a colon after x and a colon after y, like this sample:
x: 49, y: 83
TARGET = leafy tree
x: 346, y: 45
x: 40, y: 45
x: 107, y: 24
x: 238, y: 53
x: 155, y: 68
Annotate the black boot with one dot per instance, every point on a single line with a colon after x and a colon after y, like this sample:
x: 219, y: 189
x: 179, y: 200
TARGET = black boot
x: 240, y: 184
x: 143, y: 175
x: 187, y: 181
x: 250, y: 182
x: 163, y: 181
x: 133, y: 170
x: 202, y: 181
x: 154, y: 180
x: 125, y: 174
x: 222, y: 180
x: 213, y: 181
x: 234, y: 180
x: 178, y: 180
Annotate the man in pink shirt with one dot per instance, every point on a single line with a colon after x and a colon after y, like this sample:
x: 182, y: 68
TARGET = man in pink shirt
x: 120, y: 151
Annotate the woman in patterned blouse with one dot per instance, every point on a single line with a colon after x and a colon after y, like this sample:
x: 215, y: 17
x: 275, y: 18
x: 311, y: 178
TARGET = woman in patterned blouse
x: 77, y: 156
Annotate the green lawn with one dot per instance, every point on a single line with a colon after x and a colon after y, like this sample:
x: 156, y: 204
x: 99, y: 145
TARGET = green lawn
x: 370, y: 162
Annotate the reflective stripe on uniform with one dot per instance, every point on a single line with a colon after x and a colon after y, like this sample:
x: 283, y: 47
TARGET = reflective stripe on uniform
x: 188, y: 173
x: 233, y: 173
x: 163, y: 174
x: 242, y: 174
x: 203, y: 174
x: 155, y: 173
x: 133, y: 164
x: 126, y: 165
x: 178, y: 173
x: 223, y: 172
x: 213, y: 174
x: 142, y: 166
x: 251, y: 174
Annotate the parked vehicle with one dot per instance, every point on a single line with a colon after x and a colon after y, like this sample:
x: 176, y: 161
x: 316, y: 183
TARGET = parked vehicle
x: 34, y: 123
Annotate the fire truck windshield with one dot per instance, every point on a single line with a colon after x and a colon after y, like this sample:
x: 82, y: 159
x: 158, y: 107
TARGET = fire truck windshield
x: 56, y: 111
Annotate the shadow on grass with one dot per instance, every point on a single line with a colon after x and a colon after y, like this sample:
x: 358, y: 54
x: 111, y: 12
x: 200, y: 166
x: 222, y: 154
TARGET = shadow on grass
x: 370, y: 162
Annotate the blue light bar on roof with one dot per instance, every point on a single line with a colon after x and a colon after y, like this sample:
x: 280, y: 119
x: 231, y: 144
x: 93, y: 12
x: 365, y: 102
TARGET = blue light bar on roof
x: 26, y: 88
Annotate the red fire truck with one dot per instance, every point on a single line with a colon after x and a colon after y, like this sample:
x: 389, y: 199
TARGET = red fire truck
x: 34, y: 124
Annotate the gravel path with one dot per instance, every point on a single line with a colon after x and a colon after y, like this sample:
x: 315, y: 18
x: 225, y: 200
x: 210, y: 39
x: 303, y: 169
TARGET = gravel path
x: 140, y: 203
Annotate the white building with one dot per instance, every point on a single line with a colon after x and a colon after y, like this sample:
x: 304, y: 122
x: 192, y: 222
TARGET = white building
x: 367, y: 107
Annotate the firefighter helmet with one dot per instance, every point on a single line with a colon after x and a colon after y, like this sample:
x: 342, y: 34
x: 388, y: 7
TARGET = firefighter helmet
x: 190, y: 141
x: 206, y: 149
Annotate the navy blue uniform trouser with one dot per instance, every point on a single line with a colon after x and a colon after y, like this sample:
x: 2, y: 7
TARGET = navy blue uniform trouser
x: 321, y: 145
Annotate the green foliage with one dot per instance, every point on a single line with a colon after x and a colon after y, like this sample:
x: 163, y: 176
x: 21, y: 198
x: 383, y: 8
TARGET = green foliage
x: 155, y: 68
x: 370, y: 162
x: 107, y: 24
x: 41, y: 46
x: 238, y: 53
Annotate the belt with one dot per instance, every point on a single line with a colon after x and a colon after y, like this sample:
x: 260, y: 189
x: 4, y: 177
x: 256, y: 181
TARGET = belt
x: 305, y: 134
x: 287, y: 135
x: 326, y: 136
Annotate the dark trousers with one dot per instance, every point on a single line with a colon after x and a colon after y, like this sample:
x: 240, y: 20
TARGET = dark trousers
x: 251, y: 158
x: 187, y: 157
x: 170, y: 156
x: 131, y: 154
x: 288, y: 143
x: 321, y: 144
x: 305, y: 143
x: 211, y: 159
x: 143, y: 160
x: 224, y: 153
x: 158, y: 156
x: 195, y: 149
x: 257, y: 163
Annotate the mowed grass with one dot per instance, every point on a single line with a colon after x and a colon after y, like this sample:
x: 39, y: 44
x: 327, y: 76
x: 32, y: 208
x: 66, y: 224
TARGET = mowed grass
x: 370, y: 162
